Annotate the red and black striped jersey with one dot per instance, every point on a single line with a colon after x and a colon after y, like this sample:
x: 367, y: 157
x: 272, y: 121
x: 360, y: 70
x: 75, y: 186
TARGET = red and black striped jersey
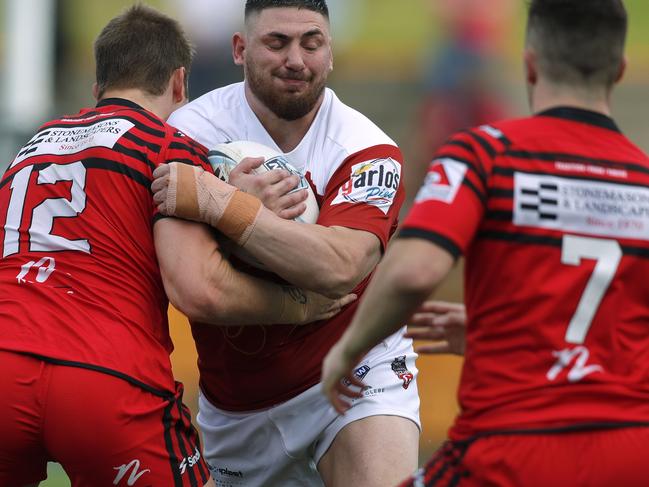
x: 552, y: 214
x: 79, y: 278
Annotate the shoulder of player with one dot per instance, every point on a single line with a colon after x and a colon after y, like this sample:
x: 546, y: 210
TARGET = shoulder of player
x: 352, y: 131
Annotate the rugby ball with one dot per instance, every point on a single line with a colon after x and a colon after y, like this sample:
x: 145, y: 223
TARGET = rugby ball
x: 224, y: 157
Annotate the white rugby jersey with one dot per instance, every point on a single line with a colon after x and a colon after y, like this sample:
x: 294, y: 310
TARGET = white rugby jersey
x: 337, y: 131
x: 355, y: 171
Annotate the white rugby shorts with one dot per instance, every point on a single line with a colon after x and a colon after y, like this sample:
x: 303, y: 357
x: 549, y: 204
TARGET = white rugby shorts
x: 281, y: 445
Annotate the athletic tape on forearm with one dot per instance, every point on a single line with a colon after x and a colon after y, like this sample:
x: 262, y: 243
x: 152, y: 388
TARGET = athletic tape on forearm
x: 197, y: 195
x: 239, y: 217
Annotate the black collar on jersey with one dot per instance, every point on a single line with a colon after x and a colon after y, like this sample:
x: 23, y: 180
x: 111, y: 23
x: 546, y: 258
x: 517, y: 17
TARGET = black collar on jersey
x: 581, y: 115
x: 118, y: 101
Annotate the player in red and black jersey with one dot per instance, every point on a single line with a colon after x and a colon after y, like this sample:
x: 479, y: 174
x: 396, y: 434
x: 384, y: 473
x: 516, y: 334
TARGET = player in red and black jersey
x: 552, y: 214
x: 84, y: 341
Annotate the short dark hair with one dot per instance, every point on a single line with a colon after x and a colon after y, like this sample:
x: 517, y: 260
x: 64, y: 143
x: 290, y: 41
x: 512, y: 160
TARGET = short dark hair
x: 319, y: 6
x: 578, y: 41
x: 141, y: 48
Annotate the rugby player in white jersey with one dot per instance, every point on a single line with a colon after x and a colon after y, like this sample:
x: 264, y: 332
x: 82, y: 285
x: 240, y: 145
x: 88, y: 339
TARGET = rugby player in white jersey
x: 263, y: 417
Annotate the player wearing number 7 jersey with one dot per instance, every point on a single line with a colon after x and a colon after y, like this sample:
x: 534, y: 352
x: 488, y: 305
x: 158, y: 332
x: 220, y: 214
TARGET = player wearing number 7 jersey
x: 85, y: 375
x: 552, y: 215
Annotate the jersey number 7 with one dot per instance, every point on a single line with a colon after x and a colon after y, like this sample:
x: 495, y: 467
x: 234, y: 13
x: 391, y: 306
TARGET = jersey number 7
x: 608, y: 254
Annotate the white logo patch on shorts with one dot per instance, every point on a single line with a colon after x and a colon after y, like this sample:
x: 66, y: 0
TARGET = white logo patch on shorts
x: 373, y: 182
x: 443, y: 180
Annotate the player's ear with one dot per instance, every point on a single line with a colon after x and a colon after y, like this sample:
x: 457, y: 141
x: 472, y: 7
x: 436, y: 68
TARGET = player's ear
x: 531, y: 69
x: 95, y: 90
x: 621, y: 70
x: 238, y: 47
x: 178, y: 85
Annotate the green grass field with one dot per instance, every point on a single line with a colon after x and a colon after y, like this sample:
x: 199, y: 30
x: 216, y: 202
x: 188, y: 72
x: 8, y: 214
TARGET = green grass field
x: 55, y: 476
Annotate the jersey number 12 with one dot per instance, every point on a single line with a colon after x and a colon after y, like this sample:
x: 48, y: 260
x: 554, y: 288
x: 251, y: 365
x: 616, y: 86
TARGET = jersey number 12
x: 41, y: 238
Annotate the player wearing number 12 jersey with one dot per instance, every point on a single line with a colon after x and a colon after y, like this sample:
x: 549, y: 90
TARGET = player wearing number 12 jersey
x: 552, y: 215
x: 84, y: 342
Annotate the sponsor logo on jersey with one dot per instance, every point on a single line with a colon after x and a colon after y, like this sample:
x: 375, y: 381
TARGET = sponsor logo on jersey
x: 372, y: 182
x: 581, y: 205
x: 400, y: 368
x: 579, y: 369
x: 61, y: 140
x: 133, y: 467
x: 189, y: 461
x: 443, y: 181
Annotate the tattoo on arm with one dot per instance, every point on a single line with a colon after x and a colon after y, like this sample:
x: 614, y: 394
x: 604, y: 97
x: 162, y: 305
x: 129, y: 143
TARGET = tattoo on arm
x: 295, y: 294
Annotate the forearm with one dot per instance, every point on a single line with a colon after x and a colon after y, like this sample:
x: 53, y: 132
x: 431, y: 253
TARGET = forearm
x: 408, y: 275
x: 229, y: 297
x: 328, y: 260
x: 201, y: 283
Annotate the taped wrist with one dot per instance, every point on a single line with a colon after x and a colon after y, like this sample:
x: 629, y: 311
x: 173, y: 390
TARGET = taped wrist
x: 197, y: 195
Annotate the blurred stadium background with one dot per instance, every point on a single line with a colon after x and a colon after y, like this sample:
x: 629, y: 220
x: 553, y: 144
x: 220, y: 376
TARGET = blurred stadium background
x: 418, y: 68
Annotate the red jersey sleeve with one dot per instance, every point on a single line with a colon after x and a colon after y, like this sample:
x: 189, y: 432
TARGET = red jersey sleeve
x: 365, y: 192
x: 451, y: 202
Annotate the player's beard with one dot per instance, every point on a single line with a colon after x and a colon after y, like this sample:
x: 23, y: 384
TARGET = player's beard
x: 286, y: 105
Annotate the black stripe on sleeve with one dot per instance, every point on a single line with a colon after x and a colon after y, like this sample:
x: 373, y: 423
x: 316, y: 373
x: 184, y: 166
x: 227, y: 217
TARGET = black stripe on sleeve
x: 433, y: 237
x: 483, y: 143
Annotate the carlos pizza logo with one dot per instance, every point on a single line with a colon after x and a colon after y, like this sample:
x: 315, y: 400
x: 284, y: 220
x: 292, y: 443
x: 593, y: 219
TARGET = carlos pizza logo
x: 400, y: 368
x: 372, y: 182
x: 443, y: 180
